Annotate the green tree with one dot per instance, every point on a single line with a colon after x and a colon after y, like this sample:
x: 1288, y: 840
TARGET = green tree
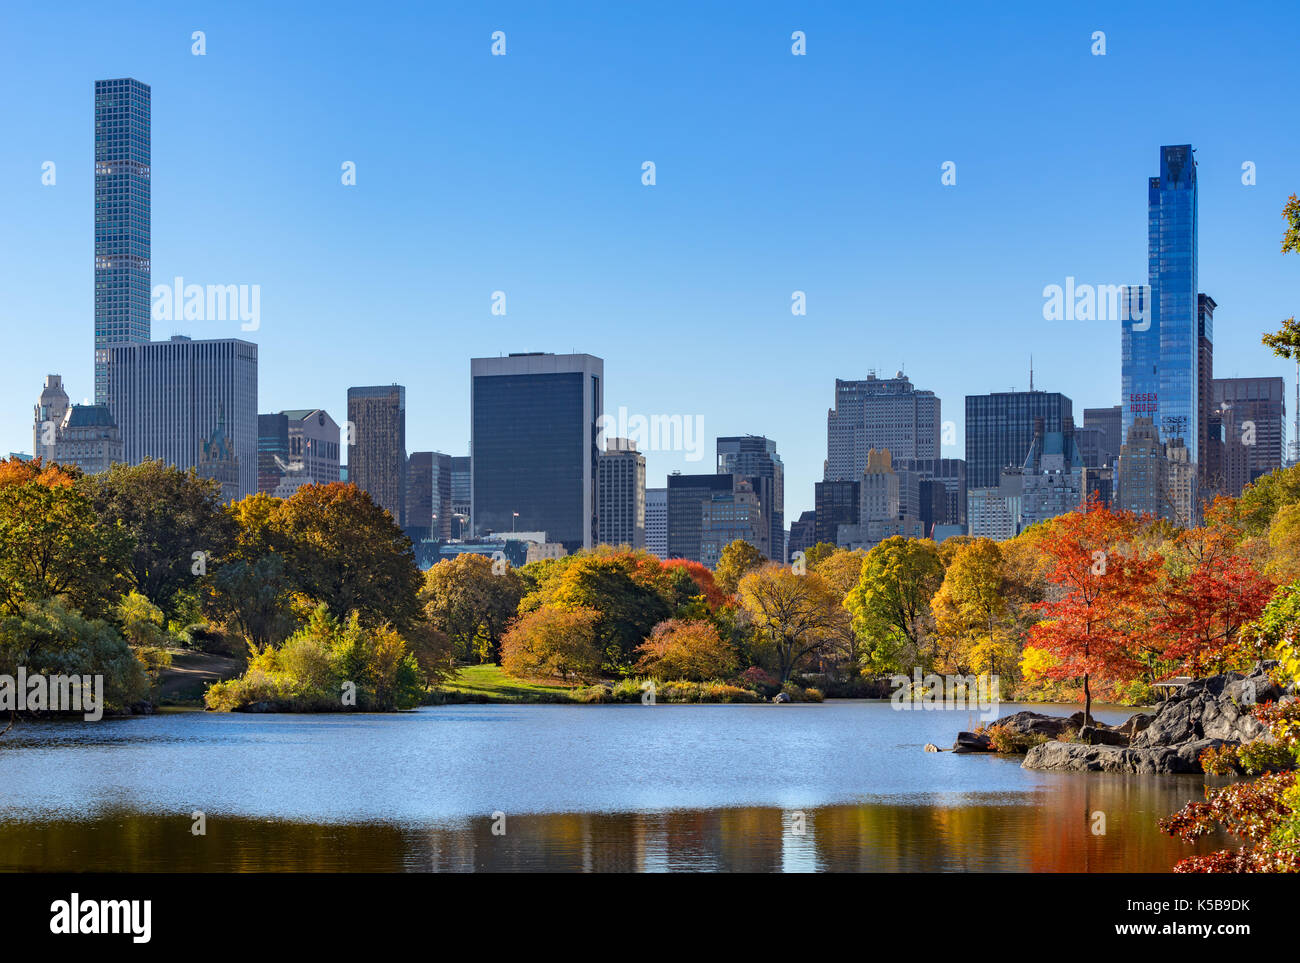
x: 891, y: 602
x: 736, y: 561
x: 170, y: 516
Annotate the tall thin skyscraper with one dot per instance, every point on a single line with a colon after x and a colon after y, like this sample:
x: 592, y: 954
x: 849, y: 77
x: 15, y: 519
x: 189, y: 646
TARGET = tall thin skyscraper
x: 377, y: 445
x: 622, y: 494
x: 533, y: 445
x: 122, y: 171
x: 1161, y: 350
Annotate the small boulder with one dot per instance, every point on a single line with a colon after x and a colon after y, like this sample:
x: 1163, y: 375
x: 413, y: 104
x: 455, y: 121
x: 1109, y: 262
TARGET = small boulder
x: 781, y: 697
x: 972, y: 742
x: 931, y: 747
x: 1102, y: 736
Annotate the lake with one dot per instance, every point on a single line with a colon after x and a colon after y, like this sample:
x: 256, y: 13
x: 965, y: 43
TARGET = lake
x: 843, y: 785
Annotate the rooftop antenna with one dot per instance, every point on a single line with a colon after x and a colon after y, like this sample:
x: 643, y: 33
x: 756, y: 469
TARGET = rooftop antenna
x: 1031, y: 372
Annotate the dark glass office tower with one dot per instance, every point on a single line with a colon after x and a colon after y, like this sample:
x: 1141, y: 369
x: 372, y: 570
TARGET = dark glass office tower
x: 1161, y: 371
x: 377, y: 445
x: 533, y: 454
x: 272, y: 451
x: 1000, y: 429
x: 754, y: 458
x: 686, y: 497
x: 122, y: 154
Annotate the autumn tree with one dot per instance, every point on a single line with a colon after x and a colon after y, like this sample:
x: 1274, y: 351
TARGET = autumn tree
x: 891, y: 602
x: 471, y: 599
x: 1208, y: 595
x: 971, y: 607
x: 628, y: 609
x: 1100, y: 587
x: 342, y: 549
x: 552, y: 642
x: 798, y: 615
x: 737, y: 560
x: 686, y: 649
x: 53, y: 542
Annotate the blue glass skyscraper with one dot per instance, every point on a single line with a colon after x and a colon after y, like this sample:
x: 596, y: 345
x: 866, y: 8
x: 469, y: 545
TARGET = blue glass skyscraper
x: 122, y: 152
x: 1160, y: 350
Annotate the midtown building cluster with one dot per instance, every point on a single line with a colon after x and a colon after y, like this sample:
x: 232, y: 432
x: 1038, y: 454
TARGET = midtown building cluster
x: 542, y: 479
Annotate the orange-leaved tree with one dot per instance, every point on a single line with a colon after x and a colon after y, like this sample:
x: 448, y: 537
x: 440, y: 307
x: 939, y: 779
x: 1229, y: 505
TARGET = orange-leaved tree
x: 1094, y: 623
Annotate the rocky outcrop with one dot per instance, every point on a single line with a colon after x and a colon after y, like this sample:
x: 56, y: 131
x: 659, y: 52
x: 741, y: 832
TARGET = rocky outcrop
x: 1076, y: 757
x: 1206, y: 713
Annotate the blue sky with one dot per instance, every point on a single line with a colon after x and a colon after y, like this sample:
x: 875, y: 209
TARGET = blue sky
x: 775, y: 173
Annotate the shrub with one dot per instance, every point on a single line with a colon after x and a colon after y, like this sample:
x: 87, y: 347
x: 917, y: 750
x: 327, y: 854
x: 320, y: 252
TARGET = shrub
x: 318, y: 663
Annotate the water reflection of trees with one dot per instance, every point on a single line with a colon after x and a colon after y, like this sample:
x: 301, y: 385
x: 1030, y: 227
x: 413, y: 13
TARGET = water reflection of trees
x: 1050, y: 832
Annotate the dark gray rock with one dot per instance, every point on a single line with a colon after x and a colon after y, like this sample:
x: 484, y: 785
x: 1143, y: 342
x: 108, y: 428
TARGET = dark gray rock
x: 1027, y: 723
x: 972, y: 742
x: 1102, y: 736
x: 1136, y: 723
x: 1074, y: 757
x: 781, y: 697
x: 1220, y: 707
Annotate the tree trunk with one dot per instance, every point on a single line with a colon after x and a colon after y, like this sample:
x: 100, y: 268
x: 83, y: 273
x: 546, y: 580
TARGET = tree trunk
x: 1087, y: 701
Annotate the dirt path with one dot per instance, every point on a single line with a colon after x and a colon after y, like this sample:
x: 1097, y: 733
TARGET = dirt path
x: 190, y: 673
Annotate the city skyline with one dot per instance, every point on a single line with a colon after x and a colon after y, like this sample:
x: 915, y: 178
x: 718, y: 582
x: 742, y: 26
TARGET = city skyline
x: 636, y: 315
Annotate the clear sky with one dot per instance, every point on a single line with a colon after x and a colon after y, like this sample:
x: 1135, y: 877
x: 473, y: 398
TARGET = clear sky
x: 775, y: 173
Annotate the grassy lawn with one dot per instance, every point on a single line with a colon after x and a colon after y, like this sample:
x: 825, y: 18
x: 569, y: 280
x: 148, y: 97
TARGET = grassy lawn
x: 489, y: 683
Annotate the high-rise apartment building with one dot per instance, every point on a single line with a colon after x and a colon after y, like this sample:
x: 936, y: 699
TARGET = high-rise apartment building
x: 1253, y: 414
x: 994, y: 511
x: 803, y: 534
x: 533, y: 446
x: 1141, y: 477
x: 377, y: 445
x: 837, y: 503
x: 656, y: 521
x: 1000, y: 429
x: 1108, y: 423
x: 272, y: 451
x: 622, y: 494
x: 735, y: 515
x: 1051, y: 479
x: 122, y: 226
x: 314, y: 448
x: 1206, y: 444
x: 879, y: 413
x: 1161, y: 346
x: 460, y: 495
x: 947, y: 473
x: 754, y: 457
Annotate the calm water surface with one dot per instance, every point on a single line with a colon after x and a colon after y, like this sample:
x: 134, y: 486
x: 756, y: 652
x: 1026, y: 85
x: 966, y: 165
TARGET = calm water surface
x: 581, y: 788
